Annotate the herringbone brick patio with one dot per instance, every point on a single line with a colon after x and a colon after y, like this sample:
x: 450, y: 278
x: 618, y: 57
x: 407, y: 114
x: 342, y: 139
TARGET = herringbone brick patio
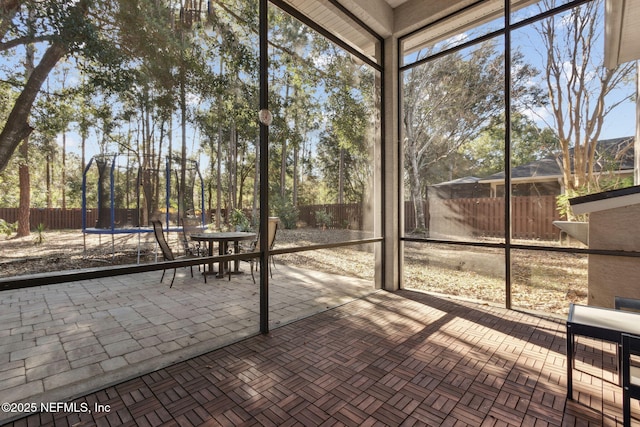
x: 396, y: 359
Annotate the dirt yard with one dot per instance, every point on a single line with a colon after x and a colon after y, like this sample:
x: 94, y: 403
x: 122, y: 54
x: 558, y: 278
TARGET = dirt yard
x: 542, y: 281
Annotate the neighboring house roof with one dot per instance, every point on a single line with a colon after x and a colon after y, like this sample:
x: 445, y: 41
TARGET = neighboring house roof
x: 548, y: 168
x: 464, y: 180
x: 545, y: 168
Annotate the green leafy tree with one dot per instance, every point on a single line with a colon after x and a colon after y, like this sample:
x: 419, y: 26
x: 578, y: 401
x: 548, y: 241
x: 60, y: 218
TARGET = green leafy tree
x: 447, y: 103
x: 60, y: 28
x: 297, y: 75
x: 228, y: 119
x: 348, y: 120
x: 52, y: 116
x: 485, y: 154
x: 8, y: 178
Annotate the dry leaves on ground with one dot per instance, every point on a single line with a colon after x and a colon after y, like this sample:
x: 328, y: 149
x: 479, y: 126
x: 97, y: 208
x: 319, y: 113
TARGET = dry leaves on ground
x: 541, y: 280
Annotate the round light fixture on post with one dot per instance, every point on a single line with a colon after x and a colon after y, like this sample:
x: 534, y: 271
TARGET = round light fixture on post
x: 265, y: 117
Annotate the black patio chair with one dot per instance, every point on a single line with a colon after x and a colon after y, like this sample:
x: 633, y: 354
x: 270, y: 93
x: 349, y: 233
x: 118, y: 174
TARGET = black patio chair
x: 190, y: 247
x: 255, y: 247
x: 626, y: 304
x: 630, y: 374
x: 167, y: 253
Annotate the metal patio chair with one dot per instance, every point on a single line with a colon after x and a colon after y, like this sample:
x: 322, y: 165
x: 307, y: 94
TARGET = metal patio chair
x: 167, y: 253
x: 255, y: 247
x: 191, y: 247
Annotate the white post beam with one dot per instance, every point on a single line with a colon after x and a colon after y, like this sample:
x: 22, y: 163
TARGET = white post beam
x: 392, y: 186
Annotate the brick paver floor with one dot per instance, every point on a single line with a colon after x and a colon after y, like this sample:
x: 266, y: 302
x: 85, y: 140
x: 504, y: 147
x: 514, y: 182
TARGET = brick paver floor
x: 394, y: 359
x: 62, y: 341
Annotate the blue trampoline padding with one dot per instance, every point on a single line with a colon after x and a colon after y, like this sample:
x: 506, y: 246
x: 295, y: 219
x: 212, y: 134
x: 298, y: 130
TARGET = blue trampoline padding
x: 126, y: 230
x: 117, y: 230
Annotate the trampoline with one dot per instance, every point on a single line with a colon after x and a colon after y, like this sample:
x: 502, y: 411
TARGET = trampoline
x: 120, y: 196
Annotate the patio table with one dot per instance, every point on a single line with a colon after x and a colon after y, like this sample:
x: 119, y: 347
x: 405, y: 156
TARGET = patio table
x: 223, y: 239
x: 606, y: 324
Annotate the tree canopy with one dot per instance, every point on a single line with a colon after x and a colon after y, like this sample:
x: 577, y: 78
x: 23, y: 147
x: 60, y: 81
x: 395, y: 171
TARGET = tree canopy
x: 155, y: 79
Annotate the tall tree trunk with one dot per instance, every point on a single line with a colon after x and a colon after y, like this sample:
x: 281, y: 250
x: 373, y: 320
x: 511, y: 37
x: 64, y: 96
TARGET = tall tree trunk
x: 63, y: 172
x: 233, y: 168
x: 283, y: 158
x: 416, y: 196
x: 296, y: 177
x: 162, y: 165
x: 17, y: 127
x: 183, y: 153
x: 239, y: 182
x: 256, y: 182
x: 127, y: 184
x: 48, y: 180
x: 219, y: 160
x: 341, y: 177
x: 219, y: 178
x: 414, y: 169
x: 63, y: 178
x: 24, y: 214
x: 150, y: 193
x: 210, y: 180
x: 83, y: 147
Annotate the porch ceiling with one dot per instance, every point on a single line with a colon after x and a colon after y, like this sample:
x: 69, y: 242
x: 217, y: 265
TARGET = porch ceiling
x: 399, y: 17
x: 385, y: 17
x: 622, y: 32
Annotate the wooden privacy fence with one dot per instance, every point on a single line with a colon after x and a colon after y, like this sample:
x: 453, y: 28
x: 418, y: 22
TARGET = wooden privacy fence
x: 347, y: 215
x: 61, y: 219
x: 531, y: 217
x: 52, y: 218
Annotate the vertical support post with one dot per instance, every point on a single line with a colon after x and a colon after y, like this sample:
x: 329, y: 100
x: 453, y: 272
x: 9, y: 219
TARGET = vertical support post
x: 84, y: 207
x: 112, y: 198
x: 84, y: 195
x: 391, y: 169
x: 167, y: 190
x: 202, y: 205
x: 507, y: 151
x: 112, y: 193
x: 263, y: 31
x: 636, y: 142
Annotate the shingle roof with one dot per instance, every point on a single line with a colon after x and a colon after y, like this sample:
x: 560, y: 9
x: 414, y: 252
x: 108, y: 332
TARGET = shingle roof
x: 463, y: 180
x: 549, y: 167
